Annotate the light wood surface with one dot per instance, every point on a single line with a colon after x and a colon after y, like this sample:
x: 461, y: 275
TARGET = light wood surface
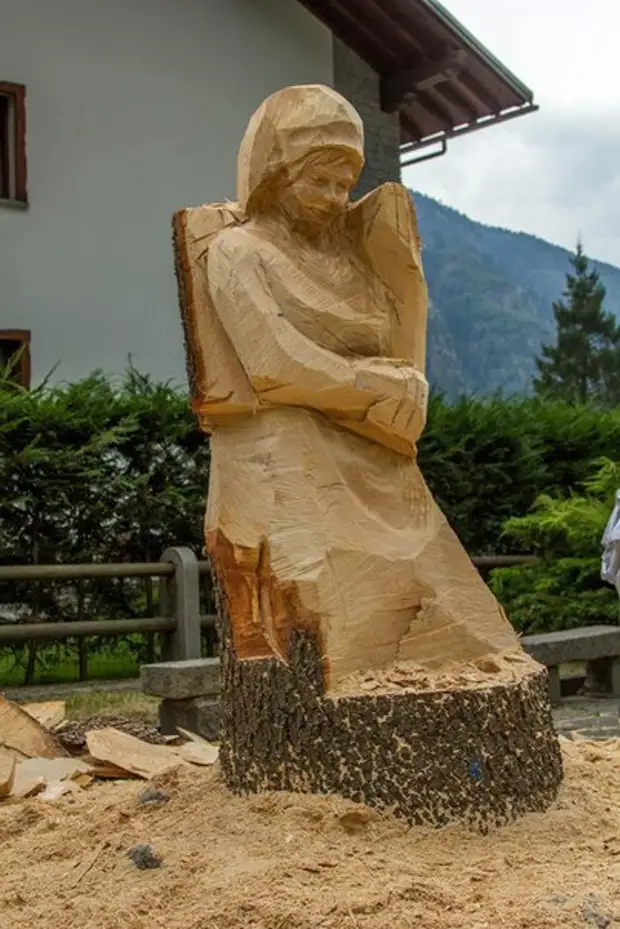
x: 305, y: 317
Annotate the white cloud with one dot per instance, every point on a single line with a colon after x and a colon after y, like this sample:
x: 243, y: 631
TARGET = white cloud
x: 555, y: 173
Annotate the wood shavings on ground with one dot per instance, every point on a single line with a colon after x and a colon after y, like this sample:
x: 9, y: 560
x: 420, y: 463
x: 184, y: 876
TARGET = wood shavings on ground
x: 34, y: 762
x: 281, y: 861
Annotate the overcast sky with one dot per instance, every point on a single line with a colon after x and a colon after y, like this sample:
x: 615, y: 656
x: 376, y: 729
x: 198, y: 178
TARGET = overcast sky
x: 555, y: 173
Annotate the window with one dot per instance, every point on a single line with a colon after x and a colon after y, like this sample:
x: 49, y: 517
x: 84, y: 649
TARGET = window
x: 13, y: 143
x: 15, y: 355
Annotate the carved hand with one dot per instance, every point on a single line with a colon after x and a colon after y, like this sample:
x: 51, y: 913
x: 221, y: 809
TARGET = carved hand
x: 403, y: 391
x: 397, y: 416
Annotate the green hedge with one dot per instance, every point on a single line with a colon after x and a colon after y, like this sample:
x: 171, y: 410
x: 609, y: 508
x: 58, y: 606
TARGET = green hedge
x: 487, y: 461
x: 94, y: 471
x: 564, y: 590
x: 97, y: 471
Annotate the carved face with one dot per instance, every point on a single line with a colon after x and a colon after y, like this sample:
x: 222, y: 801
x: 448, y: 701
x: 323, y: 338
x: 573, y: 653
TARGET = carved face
x: 294, y: 129
x: 319, y: 187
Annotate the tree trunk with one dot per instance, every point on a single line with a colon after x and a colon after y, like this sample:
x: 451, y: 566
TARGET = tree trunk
x: 150, y: 636
x: 82, y: 642
x: 83, y: 658
x: 31, y: 665
x: 483, y: 756
x: 33, y: 645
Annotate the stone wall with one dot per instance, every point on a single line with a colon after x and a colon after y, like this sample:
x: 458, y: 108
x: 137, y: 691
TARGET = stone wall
x: 357, y: 81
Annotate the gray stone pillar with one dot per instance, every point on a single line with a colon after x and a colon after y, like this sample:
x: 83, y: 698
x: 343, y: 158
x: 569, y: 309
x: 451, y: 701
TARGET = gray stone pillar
x: 179, y: 597
x: 357, y: 81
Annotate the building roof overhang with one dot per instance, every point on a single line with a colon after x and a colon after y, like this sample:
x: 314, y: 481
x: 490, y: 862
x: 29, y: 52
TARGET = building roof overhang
x: 439, y: 78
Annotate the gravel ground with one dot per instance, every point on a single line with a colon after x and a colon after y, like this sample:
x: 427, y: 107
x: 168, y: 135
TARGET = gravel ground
x: 72, y: 735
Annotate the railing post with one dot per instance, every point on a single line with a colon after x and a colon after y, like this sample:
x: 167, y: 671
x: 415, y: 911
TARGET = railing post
x: 179, y: 597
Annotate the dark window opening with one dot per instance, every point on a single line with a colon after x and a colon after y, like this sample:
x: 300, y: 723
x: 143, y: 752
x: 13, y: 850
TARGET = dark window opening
x: 13, y: 142
x: 15, y: 356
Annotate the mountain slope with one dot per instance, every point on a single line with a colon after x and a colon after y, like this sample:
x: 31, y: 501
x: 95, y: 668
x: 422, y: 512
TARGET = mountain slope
x: 491, y: 293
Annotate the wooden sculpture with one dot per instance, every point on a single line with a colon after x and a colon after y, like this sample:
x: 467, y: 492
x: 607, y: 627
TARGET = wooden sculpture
x: 362, y: 653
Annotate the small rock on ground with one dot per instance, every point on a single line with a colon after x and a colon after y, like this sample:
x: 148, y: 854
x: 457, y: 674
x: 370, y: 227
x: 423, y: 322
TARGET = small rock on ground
x: 152, y: 796
x: 144, y: 857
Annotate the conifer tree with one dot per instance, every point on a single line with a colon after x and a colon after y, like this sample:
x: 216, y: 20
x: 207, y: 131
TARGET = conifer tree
x: 584, y: 364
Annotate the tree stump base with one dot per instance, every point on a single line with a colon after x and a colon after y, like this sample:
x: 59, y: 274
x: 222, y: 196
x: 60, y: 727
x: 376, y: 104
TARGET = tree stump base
x: 481, y: 755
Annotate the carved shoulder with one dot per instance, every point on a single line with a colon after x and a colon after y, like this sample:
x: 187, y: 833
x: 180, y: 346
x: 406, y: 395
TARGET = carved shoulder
x: 233, y: 250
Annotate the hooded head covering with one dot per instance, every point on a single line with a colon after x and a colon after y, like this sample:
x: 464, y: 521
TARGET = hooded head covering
x: 290, y: 125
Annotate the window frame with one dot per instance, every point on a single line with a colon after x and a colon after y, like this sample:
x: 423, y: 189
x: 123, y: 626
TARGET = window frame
x: 17, y: 144
x: 22, y: 371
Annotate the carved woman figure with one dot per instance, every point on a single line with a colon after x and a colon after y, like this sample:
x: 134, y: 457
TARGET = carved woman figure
x: 308, y: 351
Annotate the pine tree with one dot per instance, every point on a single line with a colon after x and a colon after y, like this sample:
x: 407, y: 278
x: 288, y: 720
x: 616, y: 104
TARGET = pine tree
x: 584, y: 364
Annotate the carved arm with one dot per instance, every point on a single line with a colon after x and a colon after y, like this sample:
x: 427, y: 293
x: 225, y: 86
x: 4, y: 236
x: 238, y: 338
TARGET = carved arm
x: 377, y: 398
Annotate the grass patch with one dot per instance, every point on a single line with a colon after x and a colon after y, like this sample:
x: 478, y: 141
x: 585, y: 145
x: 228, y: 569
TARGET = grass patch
x: 573, y: 669
x: 56, y: 666
x: 132, y: 705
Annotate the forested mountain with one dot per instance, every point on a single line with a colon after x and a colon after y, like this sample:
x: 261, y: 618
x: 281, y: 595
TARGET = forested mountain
x: 491, y: 293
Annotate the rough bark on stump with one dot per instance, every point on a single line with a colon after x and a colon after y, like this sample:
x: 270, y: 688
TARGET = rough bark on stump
x: 481, y: 756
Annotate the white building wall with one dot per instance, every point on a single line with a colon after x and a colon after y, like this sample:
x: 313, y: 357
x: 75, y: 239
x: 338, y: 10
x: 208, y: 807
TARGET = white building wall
x: 135, y: 108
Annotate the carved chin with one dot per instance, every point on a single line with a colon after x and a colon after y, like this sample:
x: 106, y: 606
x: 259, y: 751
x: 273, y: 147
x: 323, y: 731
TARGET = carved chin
x: 323, y: 210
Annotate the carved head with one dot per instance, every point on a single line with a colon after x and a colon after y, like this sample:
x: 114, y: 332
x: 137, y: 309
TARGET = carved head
x: 303, y: 149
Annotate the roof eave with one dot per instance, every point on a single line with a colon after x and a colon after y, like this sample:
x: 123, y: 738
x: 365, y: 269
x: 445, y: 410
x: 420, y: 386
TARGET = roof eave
x: 441, y: 139
x: 469, y: 40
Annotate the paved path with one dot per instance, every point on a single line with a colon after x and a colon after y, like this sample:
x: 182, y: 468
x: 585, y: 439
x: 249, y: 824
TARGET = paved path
x: 588, y: 717
x: 62, y: 691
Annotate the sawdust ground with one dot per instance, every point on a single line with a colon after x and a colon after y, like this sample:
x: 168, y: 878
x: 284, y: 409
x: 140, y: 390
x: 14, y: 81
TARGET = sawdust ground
x: 294, y: 862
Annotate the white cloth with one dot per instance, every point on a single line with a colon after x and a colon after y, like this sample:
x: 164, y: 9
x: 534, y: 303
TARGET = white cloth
x: 610, y: 561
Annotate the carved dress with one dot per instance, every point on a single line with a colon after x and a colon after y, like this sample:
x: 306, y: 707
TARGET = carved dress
x: 311, y: 526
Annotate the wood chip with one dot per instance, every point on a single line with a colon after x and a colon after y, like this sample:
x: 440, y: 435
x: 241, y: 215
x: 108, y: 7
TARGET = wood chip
x: 24, y: 786
x: 63, y: 725
x: 56, y: 790
x: 82, y: 779
x: 21, y: 734
x: 108, y: 772
x: 33, y: 775
x: 192, y: 736
x: 130, y: 754
x: 198, y: 753
x: 49, y: 714
x: 87, y: 864
x: 7, y: 772
x: 354, y: 821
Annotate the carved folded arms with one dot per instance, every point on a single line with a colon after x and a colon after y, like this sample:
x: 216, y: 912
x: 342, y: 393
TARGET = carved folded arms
x: 283, y: 366
x: 398, y: 416
x: 382, y: 399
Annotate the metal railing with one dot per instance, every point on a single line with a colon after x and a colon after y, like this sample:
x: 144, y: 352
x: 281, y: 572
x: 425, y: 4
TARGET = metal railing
x: 179, y: 621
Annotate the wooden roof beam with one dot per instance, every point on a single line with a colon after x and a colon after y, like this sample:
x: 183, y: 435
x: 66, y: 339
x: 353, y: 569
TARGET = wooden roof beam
x: 354, y: 30
x: 405, y: 84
